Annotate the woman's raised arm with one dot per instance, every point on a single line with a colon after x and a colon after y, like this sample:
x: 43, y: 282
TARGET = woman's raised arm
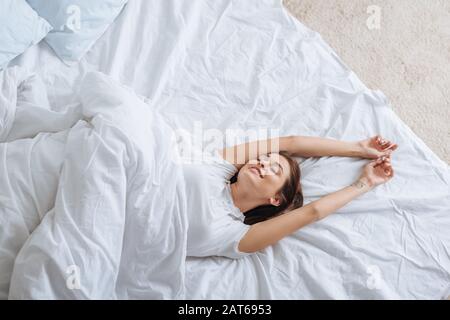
x: 266, y: 233
x: 300, y: 146
x: 371, y: 148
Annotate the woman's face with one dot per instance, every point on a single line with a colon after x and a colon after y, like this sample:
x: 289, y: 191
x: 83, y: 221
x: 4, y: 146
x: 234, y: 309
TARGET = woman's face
x: 266, y: 175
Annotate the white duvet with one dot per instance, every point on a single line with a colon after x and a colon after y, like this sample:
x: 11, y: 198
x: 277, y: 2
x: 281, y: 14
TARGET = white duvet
x: 95, y: 211
x: 249, y: 64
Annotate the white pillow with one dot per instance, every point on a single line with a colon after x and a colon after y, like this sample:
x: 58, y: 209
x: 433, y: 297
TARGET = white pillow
x: 77, y: 24
x: 20, y: 28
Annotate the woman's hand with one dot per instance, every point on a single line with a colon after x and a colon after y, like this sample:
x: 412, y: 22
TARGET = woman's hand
x: 376, y: 172
x: 376, y: 147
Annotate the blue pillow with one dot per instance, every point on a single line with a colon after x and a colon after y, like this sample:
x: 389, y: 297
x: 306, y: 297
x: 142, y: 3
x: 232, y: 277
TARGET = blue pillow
x: 20, y: 28
x: 77, y: 24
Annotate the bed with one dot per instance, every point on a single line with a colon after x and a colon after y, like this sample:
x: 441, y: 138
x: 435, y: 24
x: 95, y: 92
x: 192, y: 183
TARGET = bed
x: 251, y: 65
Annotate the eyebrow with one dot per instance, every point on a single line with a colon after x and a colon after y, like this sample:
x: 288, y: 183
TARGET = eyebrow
x: 279, y: 165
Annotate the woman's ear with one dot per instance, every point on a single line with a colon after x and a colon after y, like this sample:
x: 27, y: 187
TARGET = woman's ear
x: 275, y: 201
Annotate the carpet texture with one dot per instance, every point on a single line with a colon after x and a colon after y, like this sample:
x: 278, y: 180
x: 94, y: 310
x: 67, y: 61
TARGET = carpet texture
x: 401, y: 47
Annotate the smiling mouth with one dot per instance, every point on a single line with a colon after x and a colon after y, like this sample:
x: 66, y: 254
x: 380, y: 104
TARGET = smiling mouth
x: 257, y: 171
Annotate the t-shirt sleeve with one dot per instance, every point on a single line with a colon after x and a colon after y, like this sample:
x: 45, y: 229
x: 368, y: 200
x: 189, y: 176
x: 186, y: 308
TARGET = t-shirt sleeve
x: 227, y: 237
x: 226, y: 231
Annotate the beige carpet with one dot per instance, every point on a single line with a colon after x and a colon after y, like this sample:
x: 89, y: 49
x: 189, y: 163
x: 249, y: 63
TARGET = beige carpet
x: 407, y: 57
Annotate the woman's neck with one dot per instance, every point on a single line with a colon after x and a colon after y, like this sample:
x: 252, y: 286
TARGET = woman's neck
x: 242, y: 199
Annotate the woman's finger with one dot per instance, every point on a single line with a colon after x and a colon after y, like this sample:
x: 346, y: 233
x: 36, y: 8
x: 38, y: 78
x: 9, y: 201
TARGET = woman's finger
x: 374, y: 163
x: 377, y: 162
x: 390, y: 172
x: 385, y: 144
x: 387, y: 164
x: 380, y: 141
x: 392, y: 146
x: 383, y: 167
x: 387, y: 168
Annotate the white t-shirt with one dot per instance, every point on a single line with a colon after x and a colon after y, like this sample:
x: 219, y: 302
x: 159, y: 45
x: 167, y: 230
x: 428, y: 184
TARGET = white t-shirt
x: 216, y: 225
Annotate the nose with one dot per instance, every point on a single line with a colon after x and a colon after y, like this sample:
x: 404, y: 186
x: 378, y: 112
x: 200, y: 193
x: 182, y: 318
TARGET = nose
x: 263, y: 164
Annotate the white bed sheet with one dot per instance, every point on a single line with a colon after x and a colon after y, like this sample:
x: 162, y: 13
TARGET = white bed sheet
x: 249, y: 64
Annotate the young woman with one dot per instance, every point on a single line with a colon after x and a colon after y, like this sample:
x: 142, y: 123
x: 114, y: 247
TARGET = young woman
x: 248, y: 196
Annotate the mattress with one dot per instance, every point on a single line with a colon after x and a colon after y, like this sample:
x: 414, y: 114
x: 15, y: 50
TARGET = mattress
x: 250, y: 65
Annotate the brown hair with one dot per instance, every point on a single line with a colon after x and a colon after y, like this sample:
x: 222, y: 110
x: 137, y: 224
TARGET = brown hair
x: 291, y: 195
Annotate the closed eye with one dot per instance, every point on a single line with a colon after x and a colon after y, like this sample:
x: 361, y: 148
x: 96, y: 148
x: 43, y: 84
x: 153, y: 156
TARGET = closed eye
x: 275, y: 168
